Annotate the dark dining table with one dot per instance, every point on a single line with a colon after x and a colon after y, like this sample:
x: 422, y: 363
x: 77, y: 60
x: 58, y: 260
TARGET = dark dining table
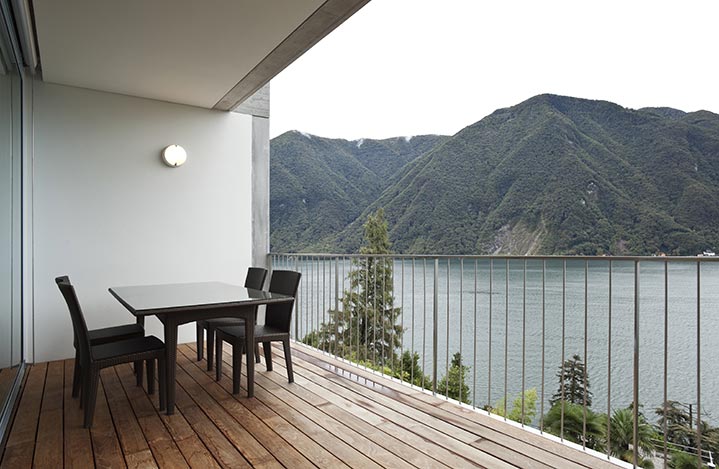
x: 176, y: 304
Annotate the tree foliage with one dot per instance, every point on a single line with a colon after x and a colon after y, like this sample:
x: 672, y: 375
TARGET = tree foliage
x: 365, y: 328
x: 573, y: 383
x: 454, y: 383
x: 515, y: 412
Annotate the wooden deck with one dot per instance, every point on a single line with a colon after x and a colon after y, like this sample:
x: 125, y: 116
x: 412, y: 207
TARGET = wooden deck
x: 332, y: 416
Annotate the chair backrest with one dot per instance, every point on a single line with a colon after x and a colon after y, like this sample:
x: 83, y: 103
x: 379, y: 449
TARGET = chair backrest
x: 79, y: 326
x: 285, y: 282
x: 255, y: 278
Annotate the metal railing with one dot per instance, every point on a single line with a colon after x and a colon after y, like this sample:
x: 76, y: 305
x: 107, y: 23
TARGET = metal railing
x: 631, y: 321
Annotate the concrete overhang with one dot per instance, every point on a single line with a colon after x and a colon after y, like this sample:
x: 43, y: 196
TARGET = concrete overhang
x: 206, y: 53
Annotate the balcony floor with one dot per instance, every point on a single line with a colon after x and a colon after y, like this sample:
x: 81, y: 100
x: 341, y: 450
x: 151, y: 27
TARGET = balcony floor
x: 332, y: 416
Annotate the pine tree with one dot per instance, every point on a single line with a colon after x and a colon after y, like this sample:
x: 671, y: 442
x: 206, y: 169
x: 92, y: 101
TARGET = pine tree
x: 365, y: 328
x: 573, y: 381
x: 454, y: 384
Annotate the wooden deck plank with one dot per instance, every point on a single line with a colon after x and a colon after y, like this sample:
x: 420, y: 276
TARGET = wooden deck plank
x: 424, y: 427
x: 285, y: 453
x: 509, y: 436
x: 20, y: 446
x: 333, y: 415
x: 344, y: 452
x: 163, y: 447
x: 50, y: 425
x: 310, y: 405
x: 246, y: 443
x: 78, y: 452
x: 193, y: 449
x: 133, y: 443
x: 105, y: 444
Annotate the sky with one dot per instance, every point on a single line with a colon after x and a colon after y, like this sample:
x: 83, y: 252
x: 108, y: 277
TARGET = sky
x: 414, y: 67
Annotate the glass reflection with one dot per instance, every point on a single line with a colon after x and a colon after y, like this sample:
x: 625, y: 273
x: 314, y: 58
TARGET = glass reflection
x: 10, y: 151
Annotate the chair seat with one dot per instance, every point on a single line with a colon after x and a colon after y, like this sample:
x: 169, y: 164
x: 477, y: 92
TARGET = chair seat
x: 127, y: 347
x: 112, y: 334
x: 261, y: 332
x: 219, y: 322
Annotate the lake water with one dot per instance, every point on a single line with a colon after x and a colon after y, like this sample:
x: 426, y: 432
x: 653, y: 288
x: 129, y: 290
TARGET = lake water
x: 516, y: 313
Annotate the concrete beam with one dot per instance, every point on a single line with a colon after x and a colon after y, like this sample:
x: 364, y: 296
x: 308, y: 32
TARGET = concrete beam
x: 324, y: 20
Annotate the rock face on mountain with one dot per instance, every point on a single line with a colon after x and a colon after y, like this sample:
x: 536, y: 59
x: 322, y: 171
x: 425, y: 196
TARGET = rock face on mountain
x: 551, y: 175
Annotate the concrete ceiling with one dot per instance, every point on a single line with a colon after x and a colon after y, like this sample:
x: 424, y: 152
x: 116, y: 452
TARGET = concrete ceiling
x: 207, y: 53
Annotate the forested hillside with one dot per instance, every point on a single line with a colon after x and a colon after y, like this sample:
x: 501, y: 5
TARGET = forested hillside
x: 551, y: 175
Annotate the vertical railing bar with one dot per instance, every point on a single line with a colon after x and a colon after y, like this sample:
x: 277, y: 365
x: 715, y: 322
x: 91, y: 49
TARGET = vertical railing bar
x: 337, y: 304
x: 586, y: 358
x: 524, y: 333
x: 474, y: 342
x: 312, y: 295
x: 383, y: 335
x: 424, y: 320
x: 435, y: 307
x: 666, y: 358
x: 374, y: 310
x: 489, y: 342
x: 635, y: 391
x: 298, y: 316
x: 325, y: 289
x: 699, y: 342
x: 506, y: 332
x: 564, y: 315
x: 411, y: 373
x: 446, y: 339
x: 401, y: 346
x: 541, y: 404
x: 609, y: 366
x: 461, y: 301
x: 365, y: 338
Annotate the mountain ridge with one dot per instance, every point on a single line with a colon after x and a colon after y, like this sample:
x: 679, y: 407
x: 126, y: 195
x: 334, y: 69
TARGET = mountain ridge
x: 552, y: 175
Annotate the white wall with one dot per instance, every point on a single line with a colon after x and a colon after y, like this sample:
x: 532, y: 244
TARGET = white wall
x: 107, y: 212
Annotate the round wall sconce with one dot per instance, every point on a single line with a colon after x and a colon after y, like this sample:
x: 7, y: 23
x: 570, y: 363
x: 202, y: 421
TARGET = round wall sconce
x: 174, y: 155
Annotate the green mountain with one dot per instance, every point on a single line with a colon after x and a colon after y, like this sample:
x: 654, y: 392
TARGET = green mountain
x: 554, y: 175
x: 319, y: 185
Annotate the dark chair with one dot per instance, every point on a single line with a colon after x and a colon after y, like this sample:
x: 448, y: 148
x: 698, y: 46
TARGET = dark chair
x: 276, y: 328
x: 255, y: 279
x: 104, y: 336
x: 94, y: 358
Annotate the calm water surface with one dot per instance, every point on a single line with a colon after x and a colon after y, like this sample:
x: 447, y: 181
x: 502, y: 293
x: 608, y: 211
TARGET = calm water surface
x: 527, y: 324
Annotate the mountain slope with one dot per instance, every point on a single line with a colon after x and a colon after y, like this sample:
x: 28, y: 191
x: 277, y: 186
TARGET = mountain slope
x: 319, y: 185
x: 557, y: 175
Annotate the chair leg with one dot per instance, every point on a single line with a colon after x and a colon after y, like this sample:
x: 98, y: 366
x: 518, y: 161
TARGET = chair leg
x: 136, y: 366
x: 91, y: 396
x: 257, y: 353
x: 138, y: 373
x: 237, y: 351
x: 150, y: 364
x: 76, y: 376
x: 218, y: 358
x: 288, y: 360
x: 163, y: 384
x: 210, y: 346
x: 268, y: 355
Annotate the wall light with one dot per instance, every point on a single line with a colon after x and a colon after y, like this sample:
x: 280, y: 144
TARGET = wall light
x: 174, y: 155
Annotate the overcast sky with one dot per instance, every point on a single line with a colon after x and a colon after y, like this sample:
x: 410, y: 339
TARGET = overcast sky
x: 412, y: 67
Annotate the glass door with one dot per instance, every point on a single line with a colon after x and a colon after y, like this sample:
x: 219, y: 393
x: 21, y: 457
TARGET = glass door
x: 10, y: 216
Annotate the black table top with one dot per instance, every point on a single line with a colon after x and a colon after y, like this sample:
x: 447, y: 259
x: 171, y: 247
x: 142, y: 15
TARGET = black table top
x: 144, y: 300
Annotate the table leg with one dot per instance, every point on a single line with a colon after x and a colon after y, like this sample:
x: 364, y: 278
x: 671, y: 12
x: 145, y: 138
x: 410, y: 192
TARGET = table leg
x: 171, y: 361
x: 250, y: 347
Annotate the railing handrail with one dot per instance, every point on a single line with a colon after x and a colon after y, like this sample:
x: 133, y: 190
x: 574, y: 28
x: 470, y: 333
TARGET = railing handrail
x: 501, y: 256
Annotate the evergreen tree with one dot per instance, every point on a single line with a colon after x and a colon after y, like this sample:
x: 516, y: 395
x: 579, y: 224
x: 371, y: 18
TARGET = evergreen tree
x: 454, y: 383
x: 365, y: 328
x: 572, y: 383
